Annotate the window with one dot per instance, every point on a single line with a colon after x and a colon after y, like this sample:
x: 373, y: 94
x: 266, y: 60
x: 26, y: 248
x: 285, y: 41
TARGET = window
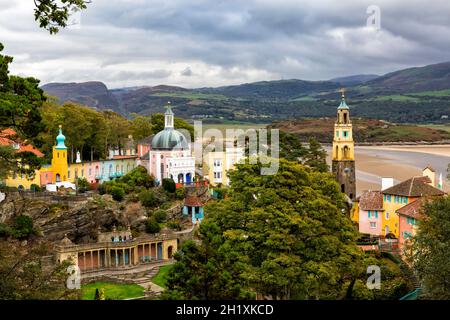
x: 376, y: 214
x: 410, y: 221
x: 337, y: 134
x: 90, y: 171
x: 373, y: 225
x: 387, y: 215
x: 345, y: 134
x: 368, y: 214
x: 389, y: 198
x: 407, y: 235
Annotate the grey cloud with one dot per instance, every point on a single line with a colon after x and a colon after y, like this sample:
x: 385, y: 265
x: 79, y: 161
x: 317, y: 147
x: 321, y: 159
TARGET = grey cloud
x: 124, y: 42
x: 187, y: 72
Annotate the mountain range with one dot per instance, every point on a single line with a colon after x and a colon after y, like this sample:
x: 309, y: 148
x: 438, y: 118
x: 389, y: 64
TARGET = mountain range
x: 396, y: 96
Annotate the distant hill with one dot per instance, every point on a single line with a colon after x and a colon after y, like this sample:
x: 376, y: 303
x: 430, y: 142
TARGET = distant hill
x: 93, y: 93
x: 278, y: 89
x: 429, y: 78
x: 353, y: 80
x: 419, y: 94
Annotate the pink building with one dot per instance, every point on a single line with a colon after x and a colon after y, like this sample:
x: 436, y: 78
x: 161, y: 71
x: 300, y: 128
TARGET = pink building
x: 409, y: 217
x: 370, y: 212
x: 168, y: 154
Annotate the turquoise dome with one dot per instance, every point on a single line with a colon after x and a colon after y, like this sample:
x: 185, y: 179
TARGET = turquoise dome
x: 169, y: 139
x: 343, y: 104
x: 60, y: 139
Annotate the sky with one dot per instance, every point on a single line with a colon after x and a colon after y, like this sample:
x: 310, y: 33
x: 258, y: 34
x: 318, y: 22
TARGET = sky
x: 209, y: 43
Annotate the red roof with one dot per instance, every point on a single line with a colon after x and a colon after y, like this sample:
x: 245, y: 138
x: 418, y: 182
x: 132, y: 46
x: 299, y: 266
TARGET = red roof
x: 413, y: 209
x: 371, y: 200
x: 193, y: 201
x: 6, y: 137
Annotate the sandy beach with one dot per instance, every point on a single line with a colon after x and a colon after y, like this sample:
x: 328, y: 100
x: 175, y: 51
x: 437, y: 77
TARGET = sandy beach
x: 399, y: 162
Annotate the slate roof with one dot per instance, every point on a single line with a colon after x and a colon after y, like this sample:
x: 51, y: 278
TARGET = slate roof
x: 414, y: 187
x: 371, y: 200
x: 413, y: 209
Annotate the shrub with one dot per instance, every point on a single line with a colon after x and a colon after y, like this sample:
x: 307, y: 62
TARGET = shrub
x: 152, y: 226
x: 35, y: 187
x: 101, y: 189
x: 160, y: 216
x: 138, y: 177
x: 174, y: 225
x: 83, y: 185
x: 5, y: 230
x: 180, y: 193
x: 117, y: 193
x: 169, y: 185
x: 23, y: 227
x: 148, y: 199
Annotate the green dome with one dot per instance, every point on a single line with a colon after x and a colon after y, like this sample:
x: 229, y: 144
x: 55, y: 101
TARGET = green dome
x: 169, y: 139
x: 60, y: 139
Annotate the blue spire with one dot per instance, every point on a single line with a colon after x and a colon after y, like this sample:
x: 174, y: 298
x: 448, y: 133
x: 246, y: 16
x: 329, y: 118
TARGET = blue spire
x: 60, y: 140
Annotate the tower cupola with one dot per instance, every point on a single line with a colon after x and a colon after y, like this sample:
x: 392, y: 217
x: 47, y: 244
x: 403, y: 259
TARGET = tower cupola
x: 60, y: 139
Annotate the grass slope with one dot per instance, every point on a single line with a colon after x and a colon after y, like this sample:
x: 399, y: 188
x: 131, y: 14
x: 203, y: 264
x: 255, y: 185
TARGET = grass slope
x: 160, y: 278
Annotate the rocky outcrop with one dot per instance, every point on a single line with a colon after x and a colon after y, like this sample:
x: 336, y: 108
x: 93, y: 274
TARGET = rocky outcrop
x: 81, y: 222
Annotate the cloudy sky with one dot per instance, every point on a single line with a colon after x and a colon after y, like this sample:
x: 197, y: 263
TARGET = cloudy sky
x: 196, y: 43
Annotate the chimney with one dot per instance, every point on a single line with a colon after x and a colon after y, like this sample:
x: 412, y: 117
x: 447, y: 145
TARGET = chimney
x: 386, y: 183
x: 431, y: 174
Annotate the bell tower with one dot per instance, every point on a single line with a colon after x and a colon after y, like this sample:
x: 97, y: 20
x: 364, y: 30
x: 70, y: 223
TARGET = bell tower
x: 343, y: 160
x: 59, y: 159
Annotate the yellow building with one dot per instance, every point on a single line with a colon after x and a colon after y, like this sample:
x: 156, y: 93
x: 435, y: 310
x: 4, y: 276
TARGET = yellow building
x: 61, y: 172
x: 403, y: 194
x: 216, y: 164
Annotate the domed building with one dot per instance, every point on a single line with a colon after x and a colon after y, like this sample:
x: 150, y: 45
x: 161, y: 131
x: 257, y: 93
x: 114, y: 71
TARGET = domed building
x: 168, y: 153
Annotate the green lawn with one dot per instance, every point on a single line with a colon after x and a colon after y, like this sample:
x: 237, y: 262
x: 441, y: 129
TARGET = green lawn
x: 161, y: 277
x: 112, y: 290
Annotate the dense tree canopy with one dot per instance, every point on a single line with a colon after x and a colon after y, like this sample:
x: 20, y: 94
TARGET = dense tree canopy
x: 24, y: 274
x: 431, y: 250
x: 285, y: 236
x: 21, y: 100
